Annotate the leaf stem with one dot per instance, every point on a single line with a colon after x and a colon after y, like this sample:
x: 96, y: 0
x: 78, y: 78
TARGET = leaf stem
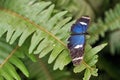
x: 33, y: 23
x: 9, y: 56
x: 45, y: 69
x: 87, y: 65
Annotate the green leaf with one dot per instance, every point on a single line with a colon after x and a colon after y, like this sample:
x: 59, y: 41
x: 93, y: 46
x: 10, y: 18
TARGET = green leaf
x: 89, y: 55
x: 79, y: 68
x: 61, y: 60
x: 19, y: 64
x: 54, y: 53
x: 93, y: 61
x: 75, y: 7
x: 110, y: 23
x: 87, y: 74
x: 10, y: 61
x: 5, y: 74
x: 114, y: 46
x: 94, y: 72
x: 42, y: 24
x: 11, y: 70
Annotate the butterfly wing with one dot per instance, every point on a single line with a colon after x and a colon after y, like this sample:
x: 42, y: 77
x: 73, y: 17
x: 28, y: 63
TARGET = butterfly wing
x: 78, y: 28
x: 76, y: 41
x: 76, y: 47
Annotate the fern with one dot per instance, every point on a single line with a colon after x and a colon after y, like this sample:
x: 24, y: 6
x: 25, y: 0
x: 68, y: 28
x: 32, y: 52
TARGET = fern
x: 76, y: 7
x: 110, y: 23
x: 114, y: 46
x: 43, y: 35
x: 10, y: 60
x: 22, y: 18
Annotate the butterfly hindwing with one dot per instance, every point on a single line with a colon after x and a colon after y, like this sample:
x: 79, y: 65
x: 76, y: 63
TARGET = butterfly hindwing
x: 76, y: 47
x: 76, y: 41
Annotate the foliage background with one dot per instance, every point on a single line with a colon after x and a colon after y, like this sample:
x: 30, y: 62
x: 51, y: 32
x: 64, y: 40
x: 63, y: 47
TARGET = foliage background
x: 104, y: 27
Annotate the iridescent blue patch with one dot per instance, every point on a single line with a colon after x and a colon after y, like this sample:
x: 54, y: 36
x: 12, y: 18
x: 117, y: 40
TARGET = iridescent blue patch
x: 76, y: 41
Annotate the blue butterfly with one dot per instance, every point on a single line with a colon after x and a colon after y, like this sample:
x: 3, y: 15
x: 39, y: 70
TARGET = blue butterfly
x: 76, y: 41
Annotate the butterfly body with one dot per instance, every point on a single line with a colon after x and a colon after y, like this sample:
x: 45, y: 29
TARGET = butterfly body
x: 76, y: 41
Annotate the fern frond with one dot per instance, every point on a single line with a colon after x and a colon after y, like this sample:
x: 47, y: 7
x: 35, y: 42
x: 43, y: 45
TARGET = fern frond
x: 46, y: 37
x: 113, y: 21
x: 10, y: 60
x: 95, y: 30
x: 114, y: 46
x: 76, y: 7
x: 110, y: 23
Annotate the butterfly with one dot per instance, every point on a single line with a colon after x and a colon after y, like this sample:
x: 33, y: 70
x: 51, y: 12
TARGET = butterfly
x: 76, y: 41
